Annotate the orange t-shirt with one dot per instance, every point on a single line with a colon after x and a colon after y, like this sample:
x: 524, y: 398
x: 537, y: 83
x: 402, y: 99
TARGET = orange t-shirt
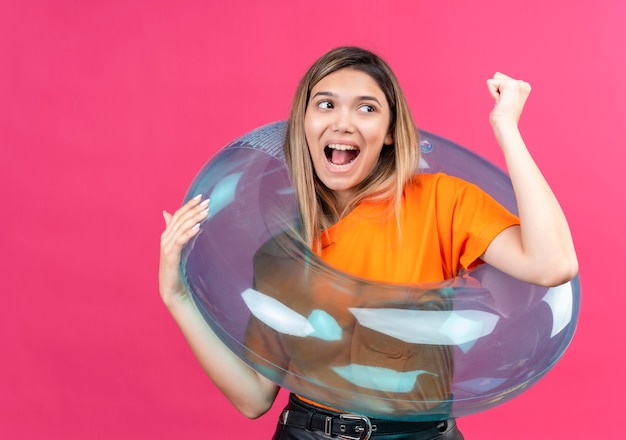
x: 446, y: 225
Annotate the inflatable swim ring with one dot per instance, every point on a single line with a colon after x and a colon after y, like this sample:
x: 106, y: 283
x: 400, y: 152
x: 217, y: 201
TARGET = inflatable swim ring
x: 419, y: 352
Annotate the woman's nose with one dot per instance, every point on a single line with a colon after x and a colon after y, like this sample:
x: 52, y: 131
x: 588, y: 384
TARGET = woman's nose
x: 343, y: 121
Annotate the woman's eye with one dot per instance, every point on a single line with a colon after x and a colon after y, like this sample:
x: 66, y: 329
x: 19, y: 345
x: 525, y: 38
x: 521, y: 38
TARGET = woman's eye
x: 367, y: 108
x: 325, y: 104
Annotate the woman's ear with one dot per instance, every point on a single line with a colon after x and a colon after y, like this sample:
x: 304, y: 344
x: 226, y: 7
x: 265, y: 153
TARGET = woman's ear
x: 388, y: 139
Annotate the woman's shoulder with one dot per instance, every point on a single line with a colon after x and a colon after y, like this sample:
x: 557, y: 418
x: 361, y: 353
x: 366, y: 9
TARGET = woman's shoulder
x: 440, y: 189
x: 435, y: 182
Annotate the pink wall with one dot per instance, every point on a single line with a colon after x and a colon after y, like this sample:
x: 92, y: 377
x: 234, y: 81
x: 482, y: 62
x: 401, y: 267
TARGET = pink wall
x: 108, y: 109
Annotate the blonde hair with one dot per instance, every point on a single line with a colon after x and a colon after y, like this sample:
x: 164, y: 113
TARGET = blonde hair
x: 396, y: 165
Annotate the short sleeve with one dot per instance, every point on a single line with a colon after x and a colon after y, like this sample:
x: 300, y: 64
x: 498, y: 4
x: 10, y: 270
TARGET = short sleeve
x: 477, y: 218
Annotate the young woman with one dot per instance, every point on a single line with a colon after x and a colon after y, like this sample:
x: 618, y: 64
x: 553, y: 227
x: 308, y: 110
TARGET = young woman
x: 352, y: 151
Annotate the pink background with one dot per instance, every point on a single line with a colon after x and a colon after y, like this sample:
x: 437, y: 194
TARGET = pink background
x: 109, y: 108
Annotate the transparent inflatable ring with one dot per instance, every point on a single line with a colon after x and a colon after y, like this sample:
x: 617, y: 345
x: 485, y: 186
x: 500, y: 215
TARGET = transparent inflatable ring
x: 418, y: 353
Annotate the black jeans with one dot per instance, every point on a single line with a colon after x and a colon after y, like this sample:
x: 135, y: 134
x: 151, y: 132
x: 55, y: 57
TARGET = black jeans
x: 444, y: 430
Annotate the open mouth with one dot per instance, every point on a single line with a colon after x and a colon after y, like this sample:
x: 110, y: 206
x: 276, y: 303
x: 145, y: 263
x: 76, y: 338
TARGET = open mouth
x: 340, y: 154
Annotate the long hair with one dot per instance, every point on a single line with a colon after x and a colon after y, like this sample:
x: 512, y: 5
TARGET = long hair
x: 396, y: 165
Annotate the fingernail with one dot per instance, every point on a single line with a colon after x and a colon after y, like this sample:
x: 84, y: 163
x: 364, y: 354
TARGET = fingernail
x: 198, y: 197
x: 205, y: 202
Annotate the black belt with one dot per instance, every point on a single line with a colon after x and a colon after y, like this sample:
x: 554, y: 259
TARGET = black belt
x: 353, y: 426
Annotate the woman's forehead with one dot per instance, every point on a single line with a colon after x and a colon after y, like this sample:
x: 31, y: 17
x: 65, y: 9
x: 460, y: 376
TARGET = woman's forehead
x: 348, y: 83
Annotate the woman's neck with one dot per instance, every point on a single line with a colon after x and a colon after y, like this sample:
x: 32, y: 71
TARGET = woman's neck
x: 343, y: 200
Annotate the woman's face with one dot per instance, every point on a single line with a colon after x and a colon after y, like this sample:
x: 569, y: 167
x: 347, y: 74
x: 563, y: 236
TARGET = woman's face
x: 346, y: 124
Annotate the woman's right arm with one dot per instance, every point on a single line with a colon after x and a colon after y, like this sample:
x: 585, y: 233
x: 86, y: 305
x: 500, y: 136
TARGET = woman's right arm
x: 251, y: 393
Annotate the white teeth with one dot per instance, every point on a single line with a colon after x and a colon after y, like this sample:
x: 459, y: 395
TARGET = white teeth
x: 342, y: 147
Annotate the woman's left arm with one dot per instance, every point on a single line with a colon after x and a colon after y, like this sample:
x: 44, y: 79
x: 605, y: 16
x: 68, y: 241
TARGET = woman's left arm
x: 540, y: 250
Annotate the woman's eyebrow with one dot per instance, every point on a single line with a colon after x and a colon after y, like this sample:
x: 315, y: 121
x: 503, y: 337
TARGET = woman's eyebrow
x: 369, y: 98
x: 358, y: 98
x: 331, y: 94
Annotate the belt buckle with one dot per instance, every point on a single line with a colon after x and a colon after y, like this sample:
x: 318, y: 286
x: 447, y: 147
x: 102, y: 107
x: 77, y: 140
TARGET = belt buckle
x: 282, y: 418
x: 364, y: 430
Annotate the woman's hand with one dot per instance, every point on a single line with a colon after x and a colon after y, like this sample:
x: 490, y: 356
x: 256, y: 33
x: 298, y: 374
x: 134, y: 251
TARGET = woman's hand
x: 510, y: 96
x: 179, y: 229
